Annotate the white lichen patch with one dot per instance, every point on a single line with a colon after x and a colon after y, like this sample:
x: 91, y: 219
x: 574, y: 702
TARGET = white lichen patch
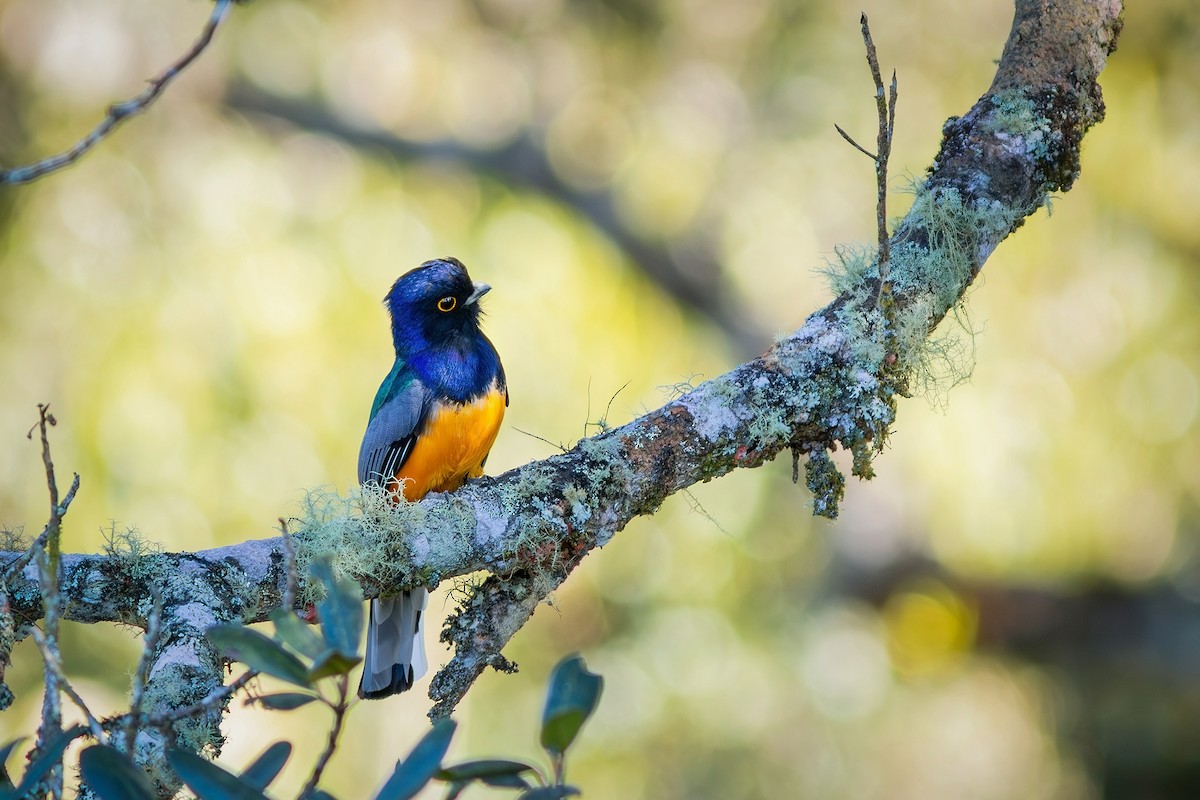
x: 199, y: 616
x: 180, y: 654
x: 717, y: 408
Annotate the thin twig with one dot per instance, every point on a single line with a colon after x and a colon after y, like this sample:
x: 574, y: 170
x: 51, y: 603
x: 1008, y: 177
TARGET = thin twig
x: 18, y: 564
x: 893, y: 93
x: 49, y: 569
x: 51, y: 702
x: 883, y: 140
x: 165, y: 719
x: 855, y: 144
x: 118, y: 112
x: 52, y: 665
x: 558, y: 445
x: 885, y: 105
x: 339, y: 716
x: 46, y: 420
x: 142, y: 675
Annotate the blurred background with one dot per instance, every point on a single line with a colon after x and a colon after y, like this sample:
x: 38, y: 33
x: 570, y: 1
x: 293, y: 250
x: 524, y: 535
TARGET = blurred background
x: 1011, y: 609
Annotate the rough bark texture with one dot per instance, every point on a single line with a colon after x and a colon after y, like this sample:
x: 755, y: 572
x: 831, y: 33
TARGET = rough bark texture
x: 831, y: 383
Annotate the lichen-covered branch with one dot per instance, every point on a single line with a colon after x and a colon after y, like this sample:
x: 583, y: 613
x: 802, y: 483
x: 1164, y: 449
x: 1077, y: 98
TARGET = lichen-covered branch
x: 832, y: 383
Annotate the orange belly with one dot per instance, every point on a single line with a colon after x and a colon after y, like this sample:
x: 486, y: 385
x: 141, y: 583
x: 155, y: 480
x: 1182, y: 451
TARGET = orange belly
x: 452, y: 447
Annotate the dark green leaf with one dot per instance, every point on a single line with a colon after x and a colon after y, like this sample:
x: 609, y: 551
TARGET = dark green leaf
x: 422, y: 763
x: 267, y: 766
x: 332, y: 662
x: 112, y: 776
x: 5, y: 752
x: 321, y: 794
x: 456, y: 789
x: 50, y: 755
x: 209, y: 781
x: 570, y: 700
x: 296, y: 633
x: 286, y: 701
x: 341, y: 612
x: 549, y: 793
x: 493, y: 772
x: 258, y: 652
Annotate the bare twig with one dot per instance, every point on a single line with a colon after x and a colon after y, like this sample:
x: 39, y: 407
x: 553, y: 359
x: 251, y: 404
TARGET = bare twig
x: 119, y: 112
x: 885, y: 104
x: 51, y: 702
x: 855, y: 144
x: 883, y: 143
x: 16, y: 565
x: 339, y: 717
x: 45, y: 420
x: 49, y: 575
x: 53, y: 665
x: 207, y: 704
x: 557, y: 445
x: 142, y: 675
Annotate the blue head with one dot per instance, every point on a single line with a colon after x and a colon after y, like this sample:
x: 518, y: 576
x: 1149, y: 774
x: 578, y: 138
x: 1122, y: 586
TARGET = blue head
x: 435, y: 305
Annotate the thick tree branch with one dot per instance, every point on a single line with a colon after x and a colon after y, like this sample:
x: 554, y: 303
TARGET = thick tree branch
x: 831, y: 383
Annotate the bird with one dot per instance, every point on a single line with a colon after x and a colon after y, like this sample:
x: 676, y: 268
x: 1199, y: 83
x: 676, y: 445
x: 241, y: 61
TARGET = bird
x: 433, y: 422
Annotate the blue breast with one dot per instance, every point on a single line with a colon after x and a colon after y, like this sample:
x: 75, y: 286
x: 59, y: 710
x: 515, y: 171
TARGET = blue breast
x: 459, y: 370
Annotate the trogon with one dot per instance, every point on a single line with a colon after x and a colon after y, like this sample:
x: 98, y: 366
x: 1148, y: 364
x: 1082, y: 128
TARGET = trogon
x: 432, y: 424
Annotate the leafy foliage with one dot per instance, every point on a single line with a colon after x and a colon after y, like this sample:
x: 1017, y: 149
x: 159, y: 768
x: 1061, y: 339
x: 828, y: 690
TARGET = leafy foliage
x: 310, y: 662
x: 301, y: 657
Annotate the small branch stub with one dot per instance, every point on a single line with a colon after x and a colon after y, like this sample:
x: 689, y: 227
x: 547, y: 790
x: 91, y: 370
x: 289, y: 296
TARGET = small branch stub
x: 885, y: 104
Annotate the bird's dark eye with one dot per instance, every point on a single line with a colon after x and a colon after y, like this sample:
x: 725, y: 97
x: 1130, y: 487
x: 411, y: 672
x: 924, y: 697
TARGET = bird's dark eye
x: 447, y: 304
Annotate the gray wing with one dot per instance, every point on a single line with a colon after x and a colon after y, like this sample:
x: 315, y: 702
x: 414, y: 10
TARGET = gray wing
x: 392, y: 432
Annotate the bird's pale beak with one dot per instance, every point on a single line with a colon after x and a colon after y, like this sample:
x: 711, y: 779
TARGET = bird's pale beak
x: 480, y: 290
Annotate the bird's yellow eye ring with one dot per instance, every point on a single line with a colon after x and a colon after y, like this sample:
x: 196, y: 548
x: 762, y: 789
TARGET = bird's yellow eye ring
x: 447, y: 304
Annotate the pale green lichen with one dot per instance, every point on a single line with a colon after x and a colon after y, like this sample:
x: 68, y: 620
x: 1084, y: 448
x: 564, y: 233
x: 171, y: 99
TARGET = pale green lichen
x: 354, y: 529
x: 132, y: 554
x: 850, y: 266
x: 1016, y: 117
x: 12, y: 540
x: 881, y: 334
x: 826, y: 483
x: 929, y: 274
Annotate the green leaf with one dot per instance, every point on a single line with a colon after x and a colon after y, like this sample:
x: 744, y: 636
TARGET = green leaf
x: 570, y: 700
x: 258, y: 652
x: 296, y: 633
x: 112, y: 776
x: 267, y: 766
x: 422, y: 763
x: 332, y: 662
x: 341, y: 612
x: 209, y: 781
x: 320, y: 794
x: 549, y: 793
x: 5, y: 752
x: 286, y: 701
x: 493, y: 772
x: 49, y: 757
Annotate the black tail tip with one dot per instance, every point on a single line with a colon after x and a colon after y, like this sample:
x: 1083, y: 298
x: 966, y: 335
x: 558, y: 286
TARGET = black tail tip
x: 402, y: 681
